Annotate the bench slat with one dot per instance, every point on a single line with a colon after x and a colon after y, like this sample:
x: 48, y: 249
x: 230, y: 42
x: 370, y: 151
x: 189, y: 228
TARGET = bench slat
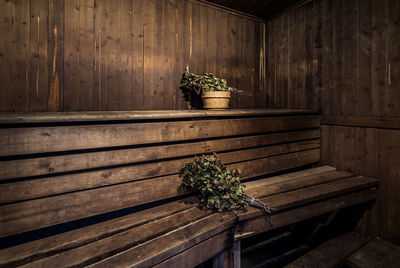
x: 20, y: 141
x: 37, y: 213
x: 48, y: 246
x: 44, y: 247
x: 309, y: 194
x: 200, y: 252
x: 71, y: 162
x: 311, y: 180
x: 170, y: 244
x: 87, y: 254
x: 104, y: 247
x: 28, y: 189
x: 259, y: 224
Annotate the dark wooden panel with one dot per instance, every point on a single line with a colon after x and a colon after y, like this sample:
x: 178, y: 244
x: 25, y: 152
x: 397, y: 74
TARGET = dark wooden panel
x: 6, y: 11
x: 290, y: 50
x: 49, y: 139
x: 375, y: 254
x: 367, y: 151
x: 260, y: 8
x: 121, y: 56
x: 38, y: 58
x: 332, y: 253
x: 71, y: 56
x: 55, y: 55
x: 353, y: 59
x: 362, y: 121
x: 20, y: 56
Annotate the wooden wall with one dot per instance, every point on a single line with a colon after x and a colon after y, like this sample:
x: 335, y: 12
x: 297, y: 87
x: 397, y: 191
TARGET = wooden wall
x: 352, y: 65
x: 82, y: 55
x: 289, y: 62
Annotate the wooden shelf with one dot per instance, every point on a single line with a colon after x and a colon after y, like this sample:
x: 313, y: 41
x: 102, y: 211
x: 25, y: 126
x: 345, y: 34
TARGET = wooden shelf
x: 16, y: 118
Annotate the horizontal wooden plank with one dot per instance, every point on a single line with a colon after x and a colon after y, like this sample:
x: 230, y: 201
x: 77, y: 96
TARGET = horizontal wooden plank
x: 34, y: 214
x: 20, y: 141
x: 59, y: 117
x: 284, y: 186
x: 390, y: 122
x: 317, y: 192
x: 71, y: 162
x: 200, y: 252
x: 377, y: 253
x: 259, y: 224
x: 27, y: 189
x: 332, y: 253
x: 227, y: 144
x: 48, y: 246
x: 45, y: 247
x: 37, y: 213
x: 87, y: 254
x: 264, y: 166
x: 289, y: 176
x: 168, y: 245
x: 309, y: 194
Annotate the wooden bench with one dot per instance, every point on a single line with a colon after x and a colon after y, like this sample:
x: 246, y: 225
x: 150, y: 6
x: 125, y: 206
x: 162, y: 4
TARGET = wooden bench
x: 103, y: 189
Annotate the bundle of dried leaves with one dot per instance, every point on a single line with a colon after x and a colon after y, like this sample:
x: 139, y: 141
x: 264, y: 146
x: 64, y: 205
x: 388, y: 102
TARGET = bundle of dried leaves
x: 216, y: 186
x: 191, y: 82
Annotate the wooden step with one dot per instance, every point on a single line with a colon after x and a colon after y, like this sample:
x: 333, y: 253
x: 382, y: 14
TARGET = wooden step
x: 377, y: 253
x: 330, y: 254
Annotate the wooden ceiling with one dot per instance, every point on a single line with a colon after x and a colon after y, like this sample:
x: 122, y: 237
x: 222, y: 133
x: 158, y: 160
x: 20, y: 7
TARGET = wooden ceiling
x: 259, y: 8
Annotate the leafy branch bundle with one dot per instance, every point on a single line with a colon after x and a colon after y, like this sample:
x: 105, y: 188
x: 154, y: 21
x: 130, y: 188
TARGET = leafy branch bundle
x: 191, y: 82
x: 216, y: 186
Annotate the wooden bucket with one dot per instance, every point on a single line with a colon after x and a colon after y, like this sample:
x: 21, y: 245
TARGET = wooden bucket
x: 216, y: 100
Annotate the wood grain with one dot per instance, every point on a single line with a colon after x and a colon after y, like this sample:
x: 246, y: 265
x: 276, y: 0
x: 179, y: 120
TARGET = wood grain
x: 50, y: 139
x: 332, y: 253
x: 376, y: 253
x: 124, y: 56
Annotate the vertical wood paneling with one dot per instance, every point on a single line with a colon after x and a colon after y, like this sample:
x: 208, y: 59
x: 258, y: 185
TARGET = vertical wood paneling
x: 392, y: 195
x: 82, y: 55
x: 170, y: 43
x: 6, y: 11
x: 113, y: 27
x: 20, y: 56
x: 86, y: 54
x: 71, y: 56
x: 149, y: 53
x: 56, y: 55
x: 125, y: 101
x: 101, y: 61
x: 161, y: 98
x: 393, y: 56
x: 364, y: 71
x: 38, y: 71
x: 137, y: 44
x: 290, y: 59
